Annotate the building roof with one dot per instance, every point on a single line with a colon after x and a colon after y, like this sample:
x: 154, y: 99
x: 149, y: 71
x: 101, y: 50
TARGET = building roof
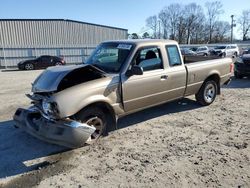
x: 66, y: 20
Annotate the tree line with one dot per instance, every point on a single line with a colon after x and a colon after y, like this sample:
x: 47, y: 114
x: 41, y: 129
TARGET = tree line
x: 190, y: 23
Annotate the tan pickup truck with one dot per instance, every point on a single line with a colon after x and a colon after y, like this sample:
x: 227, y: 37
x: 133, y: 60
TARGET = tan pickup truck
x: 74, y: 105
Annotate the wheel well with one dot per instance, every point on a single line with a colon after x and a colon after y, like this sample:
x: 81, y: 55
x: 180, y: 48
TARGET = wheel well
x: 216, y: 78
x: 108, y: 110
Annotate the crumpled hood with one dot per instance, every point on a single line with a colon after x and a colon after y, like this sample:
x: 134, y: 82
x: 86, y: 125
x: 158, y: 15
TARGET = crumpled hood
x: 49, y: 80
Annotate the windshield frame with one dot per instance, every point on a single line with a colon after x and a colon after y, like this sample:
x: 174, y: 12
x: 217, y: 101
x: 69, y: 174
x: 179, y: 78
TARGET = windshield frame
x: 117, y: 43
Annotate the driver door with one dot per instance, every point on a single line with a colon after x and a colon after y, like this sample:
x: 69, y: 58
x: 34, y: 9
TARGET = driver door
x: 140, y: 91
x: 158, y: 84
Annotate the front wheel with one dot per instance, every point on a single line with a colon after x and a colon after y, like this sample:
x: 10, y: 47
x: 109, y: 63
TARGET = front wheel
x: 29, y: 66
x: 58, y: 64
x: 207, y: 93
x: 93, y: 116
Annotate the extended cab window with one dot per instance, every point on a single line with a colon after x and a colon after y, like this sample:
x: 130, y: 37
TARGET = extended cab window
x: 173, y: 55
x: 149, y: 59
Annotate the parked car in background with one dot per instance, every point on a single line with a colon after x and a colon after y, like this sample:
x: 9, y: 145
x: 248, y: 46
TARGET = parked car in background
x: 242, y: 66
x: 246, y: 51
x: 185, y: 51
x: 230, y: 50
x: 201, y: 50
x: 41, y: 62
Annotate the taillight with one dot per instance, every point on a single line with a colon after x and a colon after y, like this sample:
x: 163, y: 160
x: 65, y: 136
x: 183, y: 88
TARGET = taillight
x: 231, y: 67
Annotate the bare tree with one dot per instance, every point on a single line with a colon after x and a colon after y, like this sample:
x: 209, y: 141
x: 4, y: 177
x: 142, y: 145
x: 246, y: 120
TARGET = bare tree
x: 214, y: 9
x: 222, y: 31
x: 194, y: 16
x: 170, y: 16
x: 244, y: 22
x: 188, y: 23
x: 181, y: 26
x: 164, y: 22
x: 152, y: 22
x: 199, y: 34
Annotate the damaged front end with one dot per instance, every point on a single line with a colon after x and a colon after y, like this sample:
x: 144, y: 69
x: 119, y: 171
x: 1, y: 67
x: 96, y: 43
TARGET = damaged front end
x: 65, y: 132
x: 43, y: 119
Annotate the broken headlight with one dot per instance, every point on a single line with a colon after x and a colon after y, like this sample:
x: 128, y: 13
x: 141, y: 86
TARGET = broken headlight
x: 50, y: 108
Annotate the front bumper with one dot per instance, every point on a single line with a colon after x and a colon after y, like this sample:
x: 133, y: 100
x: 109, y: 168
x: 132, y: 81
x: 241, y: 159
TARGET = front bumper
x: 65, y: 132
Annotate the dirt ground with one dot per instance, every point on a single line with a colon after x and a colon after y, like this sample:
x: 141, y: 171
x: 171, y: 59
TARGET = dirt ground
x: 179, y: 144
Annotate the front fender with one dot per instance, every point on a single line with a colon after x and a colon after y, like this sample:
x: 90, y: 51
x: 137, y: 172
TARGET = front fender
x: 72, y: 100
x: 92, y: 100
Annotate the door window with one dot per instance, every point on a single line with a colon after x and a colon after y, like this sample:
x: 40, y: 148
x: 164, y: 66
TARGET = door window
x: 149, y: 59
x: 173, y: 55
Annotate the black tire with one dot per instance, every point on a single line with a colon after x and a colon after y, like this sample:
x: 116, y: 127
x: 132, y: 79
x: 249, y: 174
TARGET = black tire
x: 207, y: 93
x: 235, y: 54
x: 58, y: 64
x: 29, y: 66
x: 96, y: 114
x: 237, y: 75
x: 205, y: 55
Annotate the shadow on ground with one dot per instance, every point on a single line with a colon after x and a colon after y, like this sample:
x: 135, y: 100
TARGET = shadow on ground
x: 158, y: 111
x: 16, y: 147
x: 238, y: 83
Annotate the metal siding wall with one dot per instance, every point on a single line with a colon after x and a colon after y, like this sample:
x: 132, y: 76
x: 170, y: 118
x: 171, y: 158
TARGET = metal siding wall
x: 24, y: 39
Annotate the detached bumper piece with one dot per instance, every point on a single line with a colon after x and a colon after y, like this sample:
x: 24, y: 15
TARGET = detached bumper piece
x: 65, y: 132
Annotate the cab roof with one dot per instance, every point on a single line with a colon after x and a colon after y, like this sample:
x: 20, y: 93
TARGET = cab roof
x: 144, y: 41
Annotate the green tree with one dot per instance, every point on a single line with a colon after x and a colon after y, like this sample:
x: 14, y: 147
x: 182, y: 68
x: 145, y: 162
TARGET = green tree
x: 134, y: 36
x: 146, y: 35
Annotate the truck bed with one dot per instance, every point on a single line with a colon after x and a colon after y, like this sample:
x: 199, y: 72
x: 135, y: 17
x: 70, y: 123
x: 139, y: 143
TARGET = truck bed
x: 191, y: 59
x: 197, y: 72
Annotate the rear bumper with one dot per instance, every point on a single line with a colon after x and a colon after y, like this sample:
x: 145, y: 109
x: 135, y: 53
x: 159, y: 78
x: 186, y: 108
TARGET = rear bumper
x: 65, y: 132
x: 20, y: 66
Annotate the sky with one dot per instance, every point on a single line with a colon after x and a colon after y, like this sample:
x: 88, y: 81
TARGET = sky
x: 128, y: 14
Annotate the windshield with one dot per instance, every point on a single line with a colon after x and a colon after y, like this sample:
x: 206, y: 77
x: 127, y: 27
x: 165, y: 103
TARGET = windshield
x: 220, y: 47
x: 109, y: 57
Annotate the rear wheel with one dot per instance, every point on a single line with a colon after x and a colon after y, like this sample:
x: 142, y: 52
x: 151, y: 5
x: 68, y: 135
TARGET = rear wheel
x: 207, y: 93
x: 29, y: 66
x: 95, y: 117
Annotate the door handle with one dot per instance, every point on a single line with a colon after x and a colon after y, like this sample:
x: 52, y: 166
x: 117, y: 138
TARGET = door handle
x: 164, y: 77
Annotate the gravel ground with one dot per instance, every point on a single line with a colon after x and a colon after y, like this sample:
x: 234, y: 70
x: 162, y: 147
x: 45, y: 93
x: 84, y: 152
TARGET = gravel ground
x: 179, y: 144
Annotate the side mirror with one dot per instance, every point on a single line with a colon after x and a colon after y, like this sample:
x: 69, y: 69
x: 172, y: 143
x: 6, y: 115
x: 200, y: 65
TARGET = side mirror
x: 135, y: 70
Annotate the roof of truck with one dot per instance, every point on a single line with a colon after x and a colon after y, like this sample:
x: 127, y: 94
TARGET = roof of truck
x: 144, y: 41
